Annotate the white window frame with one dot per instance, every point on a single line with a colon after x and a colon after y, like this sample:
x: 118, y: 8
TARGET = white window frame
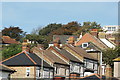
x: 27, y: 71
x: 85, y: 46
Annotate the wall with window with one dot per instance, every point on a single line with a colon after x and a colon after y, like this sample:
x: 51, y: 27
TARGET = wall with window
x: 111, y: 29
x: 90, y: 64
x: 24, y: 72
x: 61, y: 70
x: 47, y: 73
x: 76, y: 68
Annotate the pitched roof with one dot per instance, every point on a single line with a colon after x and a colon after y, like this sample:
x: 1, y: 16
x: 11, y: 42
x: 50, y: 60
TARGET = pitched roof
x: 51, y: 55
x: 91, y: 45
x: 89, y: 38
x: 81, y: 52
x: 6, y: 68
x: 63, y: 38
x: 24, y: 59
x: 8, y: 40
x: 67, y: 55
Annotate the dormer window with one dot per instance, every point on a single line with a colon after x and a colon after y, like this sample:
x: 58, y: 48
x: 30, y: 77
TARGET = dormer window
x: 84, y: 45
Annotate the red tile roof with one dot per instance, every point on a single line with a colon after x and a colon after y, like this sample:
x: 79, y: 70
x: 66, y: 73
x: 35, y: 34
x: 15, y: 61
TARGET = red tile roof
x: 8, y: 40
x: 89, y: 38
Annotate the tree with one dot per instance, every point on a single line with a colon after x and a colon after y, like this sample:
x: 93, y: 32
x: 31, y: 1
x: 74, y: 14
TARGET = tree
x: 110, y: 54
x: 49, y: 28
x: 117, y: 37
x: 13, y: 32
x: 67, y: 29
x: 86, y: 27
x: 11, y: 50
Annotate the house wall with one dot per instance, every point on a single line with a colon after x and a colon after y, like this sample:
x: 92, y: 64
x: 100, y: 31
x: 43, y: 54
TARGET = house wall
x: 117, y: 69
x: 4, y: 75
x: 21, y: 72
x: 61, y: 70
x: 90, y: 64
x: 76, y: 68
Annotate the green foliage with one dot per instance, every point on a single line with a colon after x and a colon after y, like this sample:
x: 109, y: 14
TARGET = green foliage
x: 110, y: 54
x: 117, y: 37
x: 11, y: 50
x: 13, y: 32
x: 49, y: 28
x: 86, y: 27
x: 45, y: 34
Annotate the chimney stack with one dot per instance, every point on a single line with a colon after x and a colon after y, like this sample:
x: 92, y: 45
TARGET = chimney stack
x: 57, y: 42
x: 70, y: 40
x: 40, y: 46
x: 25, y: 46
x: 94, y: 32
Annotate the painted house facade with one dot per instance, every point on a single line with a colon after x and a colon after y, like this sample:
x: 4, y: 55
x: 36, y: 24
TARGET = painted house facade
x: 90, y: 63
x: 117, y: 67
x: 60, y: 64
x: 76, y: 65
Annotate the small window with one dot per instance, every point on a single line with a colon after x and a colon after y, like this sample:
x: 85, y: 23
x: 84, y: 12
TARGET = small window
x: 84, y: 45
x: 28, y: 74
x: 28, y: 71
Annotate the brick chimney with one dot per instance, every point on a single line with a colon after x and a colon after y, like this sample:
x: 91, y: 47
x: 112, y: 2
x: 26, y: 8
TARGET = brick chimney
x: 25, y: 46
x: 101, y: 35
x: 108, y: 71
x: 70, y: 40
x: 56, y: 42
x: 40, y: 46
x: 94, y: 32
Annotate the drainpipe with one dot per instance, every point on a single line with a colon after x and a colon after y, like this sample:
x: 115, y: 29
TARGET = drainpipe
x: 42, y: 66
x: 101, y: 64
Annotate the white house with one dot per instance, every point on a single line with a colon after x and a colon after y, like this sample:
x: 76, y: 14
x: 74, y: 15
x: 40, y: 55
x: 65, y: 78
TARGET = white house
x: 5, y: 72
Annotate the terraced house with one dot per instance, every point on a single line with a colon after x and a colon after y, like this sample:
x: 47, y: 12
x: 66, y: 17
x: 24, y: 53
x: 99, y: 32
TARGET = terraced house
x: 28, y: 66
x: 90, y: 63
x: 56, y: 60
x: 79, y: 62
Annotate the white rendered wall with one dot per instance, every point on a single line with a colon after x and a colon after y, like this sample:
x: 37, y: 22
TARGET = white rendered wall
x: 4, y: 75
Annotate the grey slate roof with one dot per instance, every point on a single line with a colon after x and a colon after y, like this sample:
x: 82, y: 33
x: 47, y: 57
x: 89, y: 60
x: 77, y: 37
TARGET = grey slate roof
x: 63, y: 38
x: 25, y: 59
x: 67, y: 55
x: 91, y: 45
x: 81, y: 52
x: 54, y: 57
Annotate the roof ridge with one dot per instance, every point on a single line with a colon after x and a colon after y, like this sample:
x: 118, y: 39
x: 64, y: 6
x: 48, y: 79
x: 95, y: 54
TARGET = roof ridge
x: 36, y: 49
x: 60, y: 54
x: 98, y: 40
x: 30, y: 58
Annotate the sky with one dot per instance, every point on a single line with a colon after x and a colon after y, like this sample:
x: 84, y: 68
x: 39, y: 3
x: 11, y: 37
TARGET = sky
x: 31, y: 15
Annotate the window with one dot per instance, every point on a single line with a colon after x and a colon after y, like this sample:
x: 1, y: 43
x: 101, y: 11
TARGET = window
x: 84, y: 45
x: 113, y: 28
x: 28, y: 71
x: 109, y: 28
